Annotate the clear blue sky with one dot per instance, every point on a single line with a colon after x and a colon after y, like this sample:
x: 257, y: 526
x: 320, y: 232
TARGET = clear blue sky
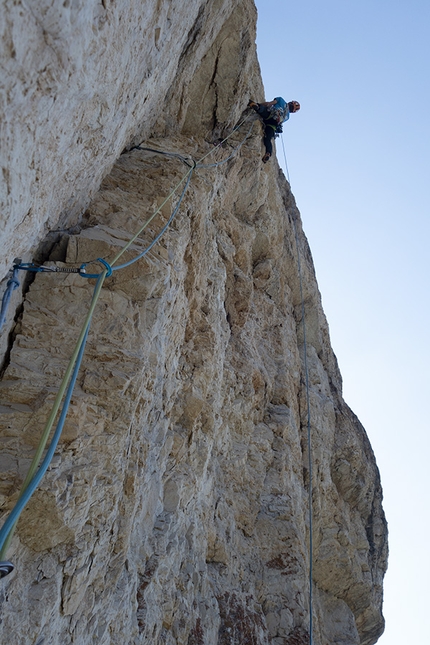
x: 358, y: 155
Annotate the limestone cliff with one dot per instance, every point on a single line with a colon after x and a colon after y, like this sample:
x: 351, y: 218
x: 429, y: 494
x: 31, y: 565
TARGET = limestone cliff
x: 175, y: 509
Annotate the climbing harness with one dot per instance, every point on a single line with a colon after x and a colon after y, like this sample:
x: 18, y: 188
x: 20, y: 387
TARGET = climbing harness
x: 37, y: 469
x: 308, y: 416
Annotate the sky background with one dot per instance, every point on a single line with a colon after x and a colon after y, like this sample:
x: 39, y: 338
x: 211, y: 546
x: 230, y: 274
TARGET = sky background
x: 358, y: 156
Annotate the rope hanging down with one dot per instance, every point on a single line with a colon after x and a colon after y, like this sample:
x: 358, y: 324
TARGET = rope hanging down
x: 309, y: 438
x: 37, y: 469
x: 308, y: 416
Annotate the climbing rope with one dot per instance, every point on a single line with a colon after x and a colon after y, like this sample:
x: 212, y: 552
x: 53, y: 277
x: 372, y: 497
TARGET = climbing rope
x: 308, y: 416
x: 36, y: 471
x: 32, y: 479
x: 214, y: 165
x: 285, y: 159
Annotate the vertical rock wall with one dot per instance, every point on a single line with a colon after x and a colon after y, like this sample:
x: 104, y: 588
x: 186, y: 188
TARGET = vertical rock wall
x: 176, y: 507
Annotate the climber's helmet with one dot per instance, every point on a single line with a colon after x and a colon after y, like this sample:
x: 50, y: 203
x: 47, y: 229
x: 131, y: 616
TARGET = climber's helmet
x: 293, y: 106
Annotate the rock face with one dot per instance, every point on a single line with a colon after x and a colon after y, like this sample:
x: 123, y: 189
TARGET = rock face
x: 176, y: 508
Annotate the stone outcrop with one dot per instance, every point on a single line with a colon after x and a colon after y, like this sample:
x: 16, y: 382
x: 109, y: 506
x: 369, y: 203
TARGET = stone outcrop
x: 176, y: 507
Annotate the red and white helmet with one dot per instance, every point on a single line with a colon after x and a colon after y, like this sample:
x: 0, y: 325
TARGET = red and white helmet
x: 293, y: 106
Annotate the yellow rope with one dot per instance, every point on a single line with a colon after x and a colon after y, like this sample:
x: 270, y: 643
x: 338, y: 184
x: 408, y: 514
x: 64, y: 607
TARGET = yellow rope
x: 56, y: 406
x: 66, y: 378
x: 142, y: 228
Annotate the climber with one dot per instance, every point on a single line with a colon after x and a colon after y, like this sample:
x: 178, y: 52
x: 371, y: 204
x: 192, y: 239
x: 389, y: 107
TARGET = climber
x: 274, y: 114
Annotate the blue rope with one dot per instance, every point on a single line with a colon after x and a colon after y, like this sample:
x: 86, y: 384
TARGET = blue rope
x: 148, y: 248
x: 29, y: 266
x: 35, y: 481
x: 8, y: 526
x: 163, y: 230
x: 12, y: 284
